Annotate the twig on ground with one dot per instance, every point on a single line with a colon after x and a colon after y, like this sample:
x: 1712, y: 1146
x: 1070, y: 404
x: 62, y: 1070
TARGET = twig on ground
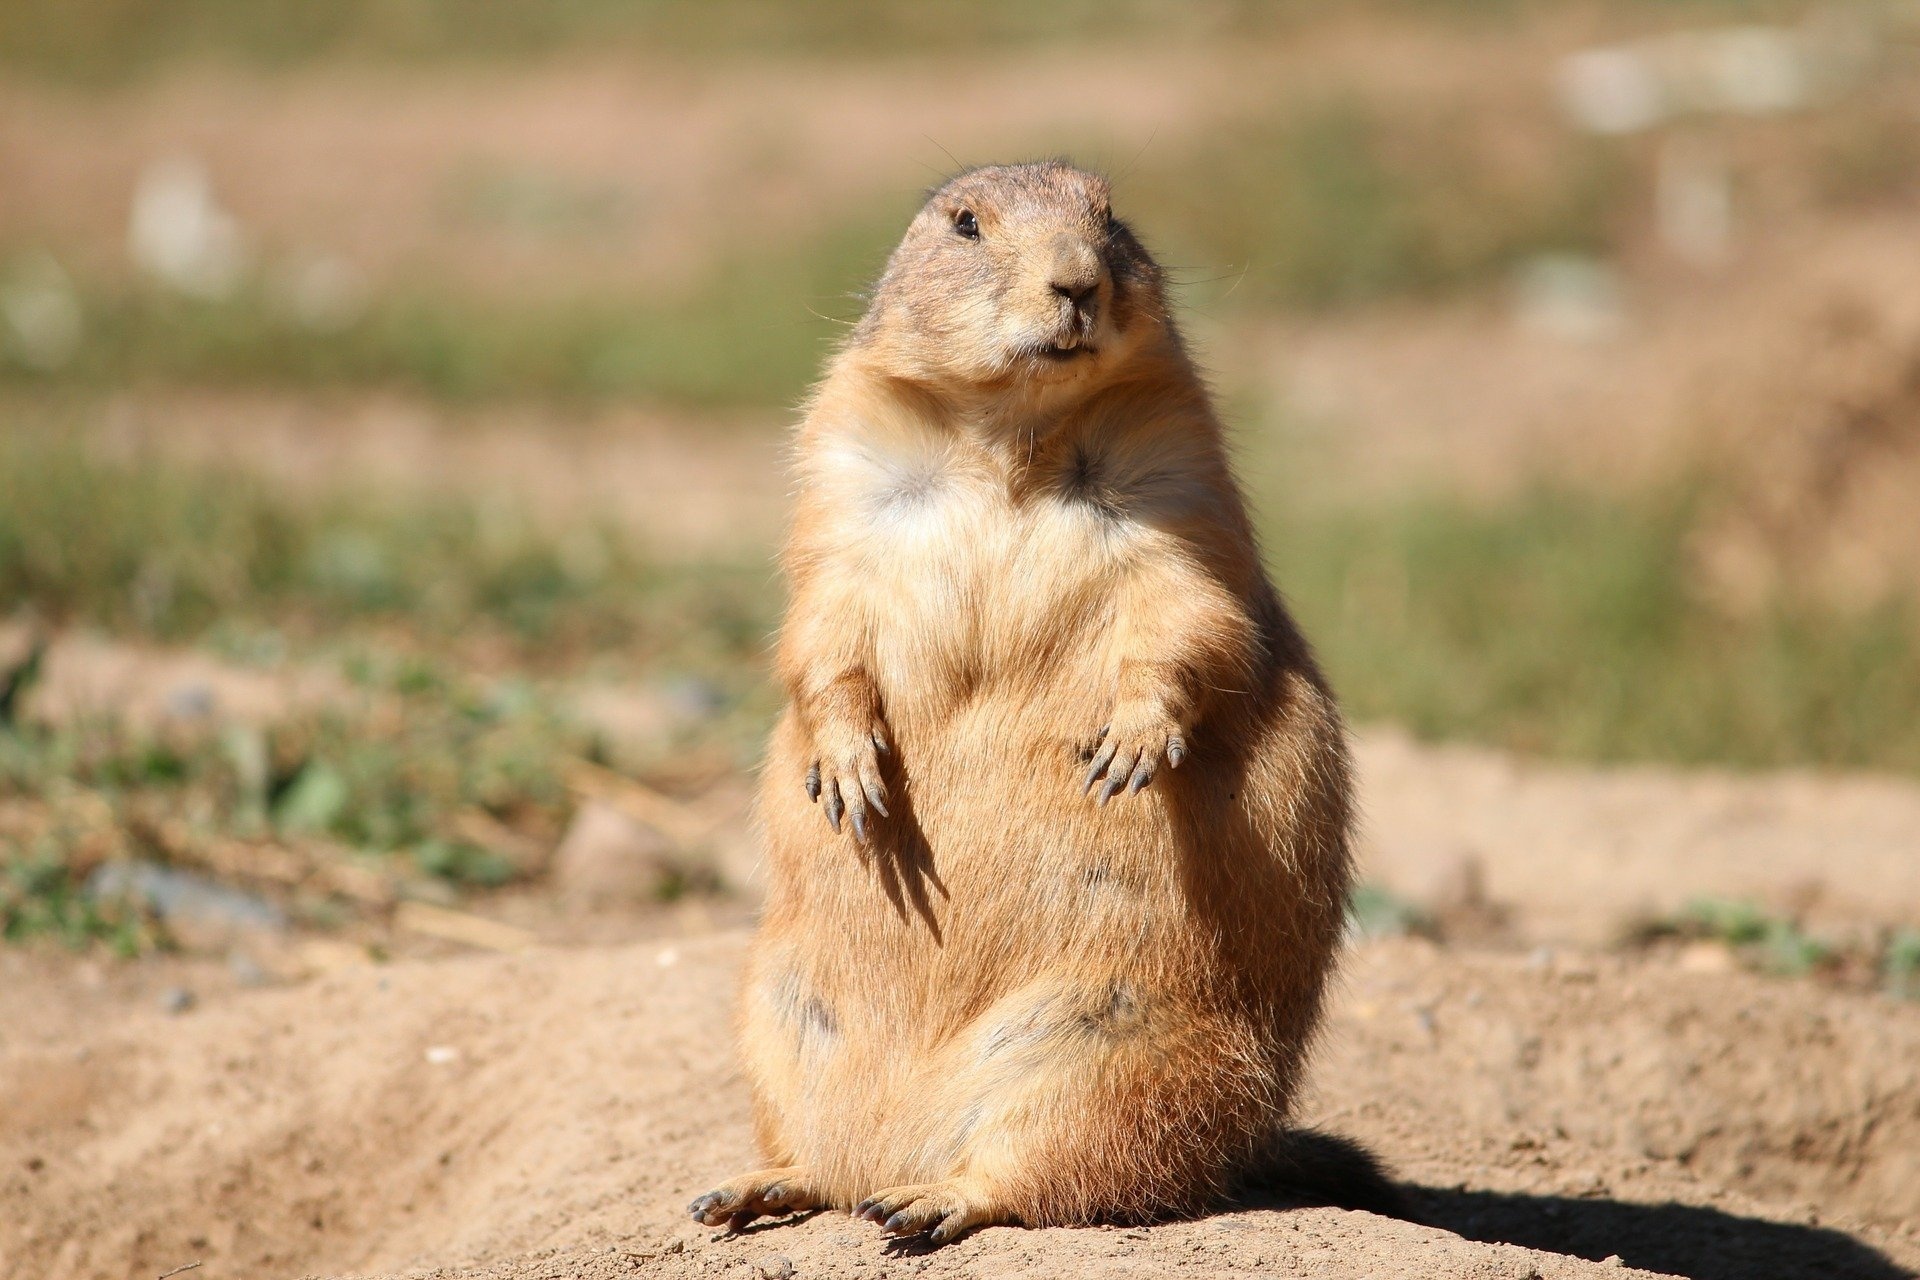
x: 682, y: 823
x: 185, y: 1266
x: 460, y: 926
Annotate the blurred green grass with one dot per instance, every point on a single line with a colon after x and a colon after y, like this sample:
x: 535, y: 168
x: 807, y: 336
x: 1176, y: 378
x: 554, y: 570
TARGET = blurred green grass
x: 1328, y: 204
x: 104, y: 40
x: 1338, y: 203
x: 752, y: 334
x: 180, y: 555
x: 1566, y: 624
x: 1563, y: 623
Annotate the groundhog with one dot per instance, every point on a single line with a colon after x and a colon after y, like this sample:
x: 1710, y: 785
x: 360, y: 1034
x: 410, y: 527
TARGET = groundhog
x: 1056, y: 816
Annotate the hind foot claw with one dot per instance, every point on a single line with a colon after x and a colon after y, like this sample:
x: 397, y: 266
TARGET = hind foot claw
x: 941, y: 1211
x: 738, y: 1201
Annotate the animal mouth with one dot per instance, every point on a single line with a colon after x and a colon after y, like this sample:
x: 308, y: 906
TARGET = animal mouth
x: 1064, y: 352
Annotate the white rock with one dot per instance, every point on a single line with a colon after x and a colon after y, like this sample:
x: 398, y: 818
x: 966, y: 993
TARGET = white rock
x: 179, y: 234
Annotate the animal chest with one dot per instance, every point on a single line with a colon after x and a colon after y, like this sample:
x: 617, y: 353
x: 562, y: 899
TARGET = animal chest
x: 973, y: 583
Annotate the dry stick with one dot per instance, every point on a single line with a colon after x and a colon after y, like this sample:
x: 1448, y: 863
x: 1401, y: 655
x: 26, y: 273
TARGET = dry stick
x: 680, y: 822
x: 185, y: 1266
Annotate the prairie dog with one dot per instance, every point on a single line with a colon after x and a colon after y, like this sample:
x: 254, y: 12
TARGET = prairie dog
x: 1056, y: 816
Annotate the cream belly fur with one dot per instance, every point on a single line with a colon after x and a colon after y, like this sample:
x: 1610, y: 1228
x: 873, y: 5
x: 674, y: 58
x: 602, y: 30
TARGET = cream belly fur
x: 1063, y: 957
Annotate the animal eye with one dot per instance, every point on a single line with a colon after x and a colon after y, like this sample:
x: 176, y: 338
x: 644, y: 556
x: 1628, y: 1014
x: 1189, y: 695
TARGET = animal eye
x: 966, y: 224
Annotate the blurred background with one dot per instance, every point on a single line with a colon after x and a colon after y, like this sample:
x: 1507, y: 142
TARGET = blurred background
x: 392, y: 396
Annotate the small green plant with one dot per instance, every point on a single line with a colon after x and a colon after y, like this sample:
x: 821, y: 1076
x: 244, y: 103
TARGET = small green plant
x: 1789, y: 951
x: 398, y: 788
x: 41, y: 897
x: 1374, y: 911
x: 1736, y: 923
x: 464, y: 864
x: 1769, y: 942
x: 1900, y: 964
x: 1762, y: 940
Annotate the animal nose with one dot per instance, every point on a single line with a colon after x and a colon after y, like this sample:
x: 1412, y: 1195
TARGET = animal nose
x: 1076, y: 269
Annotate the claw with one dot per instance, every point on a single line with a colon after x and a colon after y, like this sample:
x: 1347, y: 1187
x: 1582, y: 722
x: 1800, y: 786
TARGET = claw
x: 1101, y: 760
x: 921, y: 1217
x: 860, y: 825
x: 1176, y: 752
x: 877, y: 797
x: 1142, y: 775
x: 835, y: 806
x: 813, y: 782
x: 1115, y: 781
x: 1091, y: 747
x: 708, y: 1211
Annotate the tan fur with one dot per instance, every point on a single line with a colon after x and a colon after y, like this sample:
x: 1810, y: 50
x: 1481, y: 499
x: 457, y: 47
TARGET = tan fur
x: 1011, y: 1002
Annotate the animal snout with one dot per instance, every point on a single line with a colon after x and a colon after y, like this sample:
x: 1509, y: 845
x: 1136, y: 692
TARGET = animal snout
x: 1075, y: 289
x: 1076, y: 270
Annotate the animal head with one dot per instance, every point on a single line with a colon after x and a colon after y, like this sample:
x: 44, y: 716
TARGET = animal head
x: 1017, y: 279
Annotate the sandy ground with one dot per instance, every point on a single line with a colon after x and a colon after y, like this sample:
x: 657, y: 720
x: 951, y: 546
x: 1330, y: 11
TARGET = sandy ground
x: 1570, y: 854
x: 548, y: 1114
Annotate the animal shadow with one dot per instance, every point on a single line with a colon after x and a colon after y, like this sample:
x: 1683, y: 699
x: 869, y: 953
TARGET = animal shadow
x: 903, y: 860
x: 1310, y: 1166
x: 1674, y: 1239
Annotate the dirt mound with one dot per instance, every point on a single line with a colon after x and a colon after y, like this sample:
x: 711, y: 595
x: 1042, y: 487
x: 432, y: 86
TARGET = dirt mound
x: 548, y: 1114
x: 1819, y: 450
x: 1790, y: 386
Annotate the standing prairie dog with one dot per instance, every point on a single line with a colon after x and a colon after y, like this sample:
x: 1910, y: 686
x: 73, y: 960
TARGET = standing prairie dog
x: 1057, y: 813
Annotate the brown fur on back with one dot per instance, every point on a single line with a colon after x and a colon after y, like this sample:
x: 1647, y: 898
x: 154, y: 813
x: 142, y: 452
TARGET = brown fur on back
x: 1017, y: 544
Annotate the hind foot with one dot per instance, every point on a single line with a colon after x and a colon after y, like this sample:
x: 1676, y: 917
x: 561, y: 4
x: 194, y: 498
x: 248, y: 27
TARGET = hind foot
x: 738, y: 1201
x: 938, y: 1210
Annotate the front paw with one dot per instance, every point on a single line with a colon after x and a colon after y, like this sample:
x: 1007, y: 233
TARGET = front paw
x: 844, y: 778
x: 1129, y: 750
